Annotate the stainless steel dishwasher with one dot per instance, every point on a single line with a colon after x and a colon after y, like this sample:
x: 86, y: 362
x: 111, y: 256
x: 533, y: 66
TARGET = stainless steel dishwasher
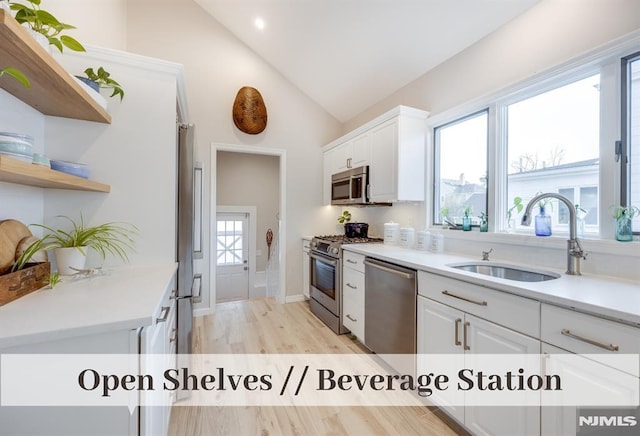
x: 390, y: 312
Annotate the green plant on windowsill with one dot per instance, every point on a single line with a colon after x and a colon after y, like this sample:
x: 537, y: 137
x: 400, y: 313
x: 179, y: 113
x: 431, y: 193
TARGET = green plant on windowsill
x: 17, y: 75
x: 517, y: 206
x: 44, y: 23
x: 103, y: 78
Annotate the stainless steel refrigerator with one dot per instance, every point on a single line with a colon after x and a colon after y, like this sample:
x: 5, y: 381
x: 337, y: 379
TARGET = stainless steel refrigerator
x: 189, y: 284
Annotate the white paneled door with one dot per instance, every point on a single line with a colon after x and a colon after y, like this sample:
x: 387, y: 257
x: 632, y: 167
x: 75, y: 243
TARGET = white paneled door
x: 232, y: 256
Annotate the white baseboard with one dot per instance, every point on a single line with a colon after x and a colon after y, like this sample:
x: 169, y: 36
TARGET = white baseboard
x: 295, y: 298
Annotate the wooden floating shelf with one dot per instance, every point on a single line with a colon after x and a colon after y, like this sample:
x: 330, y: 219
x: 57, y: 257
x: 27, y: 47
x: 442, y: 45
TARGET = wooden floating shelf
x: 53, y: 91
x: 24, y: 173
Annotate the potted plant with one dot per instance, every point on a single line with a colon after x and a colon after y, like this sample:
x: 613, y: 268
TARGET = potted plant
x: 70, y: 246
x: 102, y: 79
x: 624, y: 217
x: 44, y: 23
x: 517, y: 206
x: 16, y: 74
x: 466, y: 218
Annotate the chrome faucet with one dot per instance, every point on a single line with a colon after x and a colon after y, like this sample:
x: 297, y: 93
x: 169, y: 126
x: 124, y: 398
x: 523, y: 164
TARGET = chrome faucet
x: 574, y: 249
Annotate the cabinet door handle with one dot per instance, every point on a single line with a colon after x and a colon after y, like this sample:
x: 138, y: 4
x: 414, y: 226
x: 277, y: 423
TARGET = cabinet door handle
x: 610, y: 347
x: 349, y: 163
x: 164, y: 314
x: 174, y: 335
x: 351, y: 318
x: 352, y: 261
x: 351, y: 286
x: 457, y: 332
x: 479, y: 303
x: 464, y: 335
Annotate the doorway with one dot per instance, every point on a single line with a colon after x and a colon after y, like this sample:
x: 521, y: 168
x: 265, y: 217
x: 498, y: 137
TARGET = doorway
x: 233, y: 236
x: 278, y: 215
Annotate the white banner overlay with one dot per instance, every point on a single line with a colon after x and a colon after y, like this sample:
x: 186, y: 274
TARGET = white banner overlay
x: 319, y: 380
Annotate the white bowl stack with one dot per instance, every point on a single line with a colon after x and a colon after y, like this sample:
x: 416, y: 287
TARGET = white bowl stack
x: 17, y: 146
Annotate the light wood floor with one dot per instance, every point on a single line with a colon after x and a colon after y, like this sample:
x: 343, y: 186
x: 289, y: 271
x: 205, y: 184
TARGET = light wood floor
x: 262, y: 326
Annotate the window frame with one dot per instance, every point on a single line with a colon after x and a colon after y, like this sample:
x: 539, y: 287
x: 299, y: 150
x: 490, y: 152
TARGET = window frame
x: 436, y: 167
x: 623, y: 151
x: 605, y: 61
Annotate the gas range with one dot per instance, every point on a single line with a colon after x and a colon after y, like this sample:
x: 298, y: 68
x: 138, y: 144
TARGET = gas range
x: 331, y: 244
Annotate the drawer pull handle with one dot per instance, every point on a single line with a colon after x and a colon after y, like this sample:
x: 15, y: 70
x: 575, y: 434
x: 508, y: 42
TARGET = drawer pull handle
x: 457, y: 332
x: 352, y: 261
x: 164, y: 314
x: 351, y: 318
x: 464, y: 336
x: 479, y: 303
x: 351, y: 286
x: 610, y: 347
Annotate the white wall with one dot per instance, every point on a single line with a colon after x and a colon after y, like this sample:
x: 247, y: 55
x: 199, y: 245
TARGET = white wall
x: 101, y: 23
x: 23, y: 203
x: 548, y: 34
x: 217, y: 65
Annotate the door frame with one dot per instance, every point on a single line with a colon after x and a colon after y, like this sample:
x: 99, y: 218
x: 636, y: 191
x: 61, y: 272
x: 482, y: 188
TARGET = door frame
x: 252, y: 212
x: 282, y: 210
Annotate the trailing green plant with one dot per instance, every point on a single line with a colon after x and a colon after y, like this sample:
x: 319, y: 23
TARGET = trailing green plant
x: 104, y: 80
x: 517, y: 205
x: 46, y: 24
x: 108, y: 238
x: 619, y: 212
x: 16, y: 74
x: 28, y: 254
x: 345, y: 217
x: 54, y: 279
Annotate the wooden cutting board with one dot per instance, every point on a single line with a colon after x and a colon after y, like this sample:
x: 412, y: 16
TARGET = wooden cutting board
x: 11, y: 233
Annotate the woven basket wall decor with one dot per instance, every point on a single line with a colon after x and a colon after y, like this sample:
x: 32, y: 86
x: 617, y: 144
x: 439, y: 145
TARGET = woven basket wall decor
x: 249, y: 111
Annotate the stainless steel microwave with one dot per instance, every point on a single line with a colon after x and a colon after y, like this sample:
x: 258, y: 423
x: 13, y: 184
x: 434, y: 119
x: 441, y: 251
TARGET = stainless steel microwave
x: 350, y: 187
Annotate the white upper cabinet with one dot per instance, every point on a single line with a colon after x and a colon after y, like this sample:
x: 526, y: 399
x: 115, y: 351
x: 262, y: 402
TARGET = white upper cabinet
x: 393, y: 145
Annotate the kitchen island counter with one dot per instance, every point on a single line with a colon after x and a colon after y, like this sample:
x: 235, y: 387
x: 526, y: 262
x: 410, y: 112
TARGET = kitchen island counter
x: 118, y: 299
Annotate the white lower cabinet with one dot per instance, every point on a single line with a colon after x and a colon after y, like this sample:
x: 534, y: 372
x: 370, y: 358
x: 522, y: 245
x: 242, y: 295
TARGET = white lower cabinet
x: 445, y: 330
x: 353, y: 293
x: 157, y: 354
x: 599, y: 341
x: 451, y: 329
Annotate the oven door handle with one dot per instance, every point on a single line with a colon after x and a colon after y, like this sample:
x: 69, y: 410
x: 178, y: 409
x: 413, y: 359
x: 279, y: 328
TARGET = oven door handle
x: 323, y: 259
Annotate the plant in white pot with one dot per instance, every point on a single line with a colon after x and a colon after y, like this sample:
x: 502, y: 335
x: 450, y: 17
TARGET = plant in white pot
x: 70, y: 246
x: 43, y: 23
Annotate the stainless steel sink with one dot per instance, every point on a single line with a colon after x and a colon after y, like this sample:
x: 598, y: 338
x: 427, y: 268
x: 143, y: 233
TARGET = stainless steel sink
x: 508, y: 272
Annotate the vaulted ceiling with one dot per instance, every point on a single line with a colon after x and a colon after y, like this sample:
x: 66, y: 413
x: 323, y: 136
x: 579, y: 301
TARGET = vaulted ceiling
x: 349, y: 54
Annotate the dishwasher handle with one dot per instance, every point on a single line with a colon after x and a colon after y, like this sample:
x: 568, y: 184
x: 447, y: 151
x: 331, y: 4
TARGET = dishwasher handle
x: 390, y: 268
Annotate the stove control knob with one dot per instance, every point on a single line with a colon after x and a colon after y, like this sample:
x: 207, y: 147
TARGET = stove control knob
x: 334, y: 250
x: 314, y: 244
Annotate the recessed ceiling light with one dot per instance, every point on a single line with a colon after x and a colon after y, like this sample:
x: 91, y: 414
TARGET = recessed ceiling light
x: 259, y: 23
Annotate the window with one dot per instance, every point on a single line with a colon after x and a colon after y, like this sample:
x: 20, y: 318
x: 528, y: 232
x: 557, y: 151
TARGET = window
x: 553, y: 139
x: 630, y: 153
x: 553, y: 133
x: 229, y: 242
x: 461, y: 168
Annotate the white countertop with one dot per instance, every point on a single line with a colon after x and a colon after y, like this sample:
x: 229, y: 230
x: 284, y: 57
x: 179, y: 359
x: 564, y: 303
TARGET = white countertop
x: 607, y: 297
x: 120, y: 299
